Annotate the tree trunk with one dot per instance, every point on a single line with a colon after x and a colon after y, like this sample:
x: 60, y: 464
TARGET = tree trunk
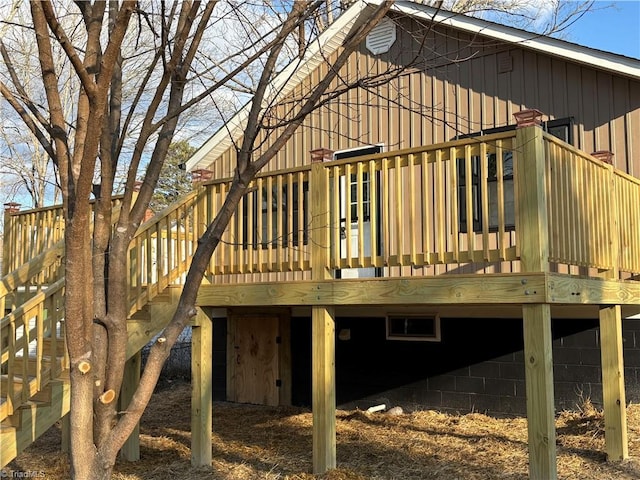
x: 79, y: 332
x: 101, y: 469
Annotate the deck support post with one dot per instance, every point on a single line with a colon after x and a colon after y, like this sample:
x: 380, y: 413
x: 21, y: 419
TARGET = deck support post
x: 201, y: 389
x: 323, y: 389
x: 611, y: 351
x: 322, y: 321
x: 533, y: 243
x: 539, y: 387
x: 613, y: 395
x: 130, y: 451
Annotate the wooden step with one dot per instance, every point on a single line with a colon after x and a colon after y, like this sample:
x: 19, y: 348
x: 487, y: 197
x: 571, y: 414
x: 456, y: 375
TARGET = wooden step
x: 36, y: 418
x: 32, y: 366
x: 47, y: 346
x: 5, y: 409
x: 15, y: 420
x: 18, y: 386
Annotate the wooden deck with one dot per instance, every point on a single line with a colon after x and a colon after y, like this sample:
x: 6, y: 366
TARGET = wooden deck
x: 517, y: 219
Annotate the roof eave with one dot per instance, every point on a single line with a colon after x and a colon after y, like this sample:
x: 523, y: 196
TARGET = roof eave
x: 612, y: 62
x: 329, y: 41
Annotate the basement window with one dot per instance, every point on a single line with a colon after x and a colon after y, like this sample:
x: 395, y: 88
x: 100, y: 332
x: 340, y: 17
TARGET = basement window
x: 420, y: 328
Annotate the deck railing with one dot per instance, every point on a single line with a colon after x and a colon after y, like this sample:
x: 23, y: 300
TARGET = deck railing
x: 407, y: 208
x: 33, y: 348
x: 28, y: 233
x: 269, y: 232
x: 453, y: 204
x: 443, y: 204
x: 627, y: 207
x: 162, y: 248
x: 593, y: 209
x: 523, y: 198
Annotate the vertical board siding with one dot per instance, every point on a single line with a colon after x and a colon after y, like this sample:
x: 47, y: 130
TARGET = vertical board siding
x: 453, y: 88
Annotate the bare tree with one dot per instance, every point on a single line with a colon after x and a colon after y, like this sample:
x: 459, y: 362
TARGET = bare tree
x: 184, y: 55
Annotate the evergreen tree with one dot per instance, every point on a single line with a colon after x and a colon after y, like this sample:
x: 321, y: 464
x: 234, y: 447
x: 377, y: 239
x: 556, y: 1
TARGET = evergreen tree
x: 174, y: 181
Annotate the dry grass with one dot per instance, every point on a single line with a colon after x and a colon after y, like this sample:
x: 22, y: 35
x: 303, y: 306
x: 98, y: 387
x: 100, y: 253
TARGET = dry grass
x: 252, y: 442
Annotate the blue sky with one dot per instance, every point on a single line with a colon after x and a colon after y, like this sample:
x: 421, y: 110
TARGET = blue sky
x: 618, y: 28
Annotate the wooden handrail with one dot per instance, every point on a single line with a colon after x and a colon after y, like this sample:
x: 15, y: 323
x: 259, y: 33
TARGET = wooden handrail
x: 33, y: 321
x: 29, y: 232
x: 161, y: 250
x: 20, y: 277
x: 32, y: 303
x: 593, y: 211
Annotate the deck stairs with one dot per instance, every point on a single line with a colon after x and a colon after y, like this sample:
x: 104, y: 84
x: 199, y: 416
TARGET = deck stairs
x: 34, y: 375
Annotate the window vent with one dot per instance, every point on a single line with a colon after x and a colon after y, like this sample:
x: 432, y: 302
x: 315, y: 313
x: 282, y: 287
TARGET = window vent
x: 505, y: 62
x: 425, y: 328
x: 382, y: 36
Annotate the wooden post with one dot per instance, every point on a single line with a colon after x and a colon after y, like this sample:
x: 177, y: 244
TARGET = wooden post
x: 539, y: 388
x: 319, y: 213
x: 8, y: 240
x: 533, y: 242
x: 615, y: 413
x: 611, y: 351
x: 201, y: 389
x: 532, y: 220
x: 322, y: 322
x: 324, y: 389
x: 130, y: 451
x: 65, y: 434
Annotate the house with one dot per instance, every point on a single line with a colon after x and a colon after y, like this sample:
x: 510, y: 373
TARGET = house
x: 456, y: 238
x: 469, y: 81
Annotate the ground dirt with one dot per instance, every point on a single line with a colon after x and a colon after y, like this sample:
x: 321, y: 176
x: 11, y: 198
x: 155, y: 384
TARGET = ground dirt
x: 255, y: 442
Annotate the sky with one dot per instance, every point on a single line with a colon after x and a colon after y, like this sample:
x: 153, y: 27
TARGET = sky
x: 613, y: 29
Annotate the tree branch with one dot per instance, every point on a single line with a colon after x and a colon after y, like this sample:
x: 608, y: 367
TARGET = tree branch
x: 350, y: 44
x: 26, y: 118
x: 49, y: 78
x: 70, y: 51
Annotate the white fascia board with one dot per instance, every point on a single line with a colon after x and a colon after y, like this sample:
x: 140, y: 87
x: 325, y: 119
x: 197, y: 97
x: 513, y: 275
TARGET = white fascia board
x: 284, y: 83
x: 552, y: 46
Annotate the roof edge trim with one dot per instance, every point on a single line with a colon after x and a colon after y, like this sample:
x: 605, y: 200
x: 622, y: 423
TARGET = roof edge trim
x: 328, y: 42
x: 553, y: 46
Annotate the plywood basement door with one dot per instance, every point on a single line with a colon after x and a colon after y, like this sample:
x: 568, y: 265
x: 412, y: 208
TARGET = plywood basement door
x: 253, y: 359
